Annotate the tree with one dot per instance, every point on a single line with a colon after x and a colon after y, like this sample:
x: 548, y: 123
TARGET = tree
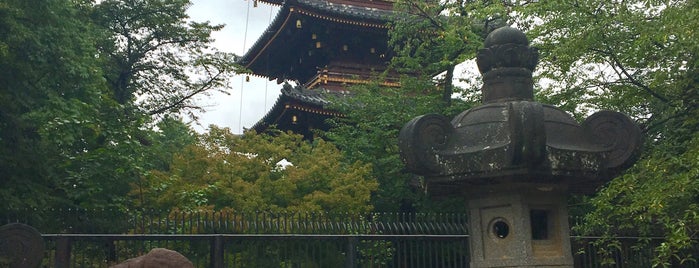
x: 374, y: 116
x: 274, y: 172
x: 157, y: 61
x: 153, y: 64
x: 51, y: 99
x: 432, y: 37
x: 639, y: 57
x: 168, y: 138
x: 81, y: 83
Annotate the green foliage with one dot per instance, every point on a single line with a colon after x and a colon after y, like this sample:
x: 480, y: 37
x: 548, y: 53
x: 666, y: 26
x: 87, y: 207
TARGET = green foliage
x: 376, y: 253
x: 369, y: 133
x: 69, y: 134
x: 638, y: 57
x: 170, y: 137
x: 431, y: 36
x: 157, y: 60
x: 50, y: 99
x: 246, y: 173
x: 658, y: 197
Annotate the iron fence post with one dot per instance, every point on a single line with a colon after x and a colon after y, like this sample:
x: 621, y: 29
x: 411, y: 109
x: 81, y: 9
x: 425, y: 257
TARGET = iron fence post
x: 217, y: 252
x: 111, y: 251
x: 351, y: 260
x: 63, y: 248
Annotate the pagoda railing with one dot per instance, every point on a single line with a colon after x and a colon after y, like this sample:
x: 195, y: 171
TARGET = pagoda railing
x: 326, y: 77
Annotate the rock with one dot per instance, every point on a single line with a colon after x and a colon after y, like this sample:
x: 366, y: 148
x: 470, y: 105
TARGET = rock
x: 157, y: 258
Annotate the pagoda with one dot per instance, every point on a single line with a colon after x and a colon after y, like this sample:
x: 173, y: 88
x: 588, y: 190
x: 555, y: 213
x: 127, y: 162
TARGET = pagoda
x: 322, y: 46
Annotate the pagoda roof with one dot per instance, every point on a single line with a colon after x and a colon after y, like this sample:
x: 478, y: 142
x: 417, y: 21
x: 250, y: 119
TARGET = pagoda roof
x: 366, y: 15
x: 306, y: 96
x: 298, y: 99
x: 349, y: 9
x: 380, y: 4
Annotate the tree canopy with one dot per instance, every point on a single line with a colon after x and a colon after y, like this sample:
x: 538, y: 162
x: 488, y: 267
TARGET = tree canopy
x: 369, y: 133
x: 637, y: 57
x: 276, y: 172
x: 52, y: 99
x: 156, y: 59
x: 83, y: 86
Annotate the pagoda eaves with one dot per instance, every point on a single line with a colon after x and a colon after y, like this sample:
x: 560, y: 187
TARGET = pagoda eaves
x: 299, y: 110
x: 380, y: 4
x: 308, y: 35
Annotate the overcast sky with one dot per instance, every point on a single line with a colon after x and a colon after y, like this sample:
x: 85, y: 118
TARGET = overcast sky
x: 258, y: 95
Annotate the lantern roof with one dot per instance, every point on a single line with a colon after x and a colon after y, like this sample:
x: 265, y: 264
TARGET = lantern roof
x: 512, y: 139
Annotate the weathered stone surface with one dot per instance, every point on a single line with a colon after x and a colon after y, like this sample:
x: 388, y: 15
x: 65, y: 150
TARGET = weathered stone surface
x: 157, y: 258
x: 512, y: 138
x: 20, y: 246
x: 519, y: 225
x: 515, y: 160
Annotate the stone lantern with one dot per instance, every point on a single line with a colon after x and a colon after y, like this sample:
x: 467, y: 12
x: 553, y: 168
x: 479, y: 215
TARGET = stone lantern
x: 516, y: 160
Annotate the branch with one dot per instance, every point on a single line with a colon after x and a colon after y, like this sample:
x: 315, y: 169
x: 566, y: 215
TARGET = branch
x: 424, y: 14
x: 179, y: 102
x: 147, y: 48
x: 652, y: 126
x: 630, y: 77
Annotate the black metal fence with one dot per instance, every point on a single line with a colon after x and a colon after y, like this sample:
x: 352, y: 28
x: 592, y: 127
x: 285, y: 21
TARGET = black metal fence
x: 79, y: 238
x: 80, y: 221
x: 271, y: 250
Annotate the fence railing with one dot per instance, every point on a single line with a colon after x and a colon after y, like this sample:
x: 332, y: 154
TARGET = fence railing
x: 77, y: 238
x: 80, y: 221
x: 264, y: 250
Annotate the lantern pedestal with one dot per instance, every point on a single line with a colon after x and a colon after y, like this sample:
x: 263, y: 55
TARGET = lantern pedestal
x: 519, y: 225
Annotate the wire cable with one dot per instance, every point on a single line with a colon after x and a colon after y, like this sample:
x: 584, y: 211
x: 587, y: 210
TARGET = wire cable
x: 242, y: 78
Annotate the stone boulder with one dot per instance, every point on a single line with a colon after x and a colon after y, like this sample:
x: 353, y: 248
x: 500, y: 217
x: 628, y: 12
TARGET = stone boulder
x: 157, y: 258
